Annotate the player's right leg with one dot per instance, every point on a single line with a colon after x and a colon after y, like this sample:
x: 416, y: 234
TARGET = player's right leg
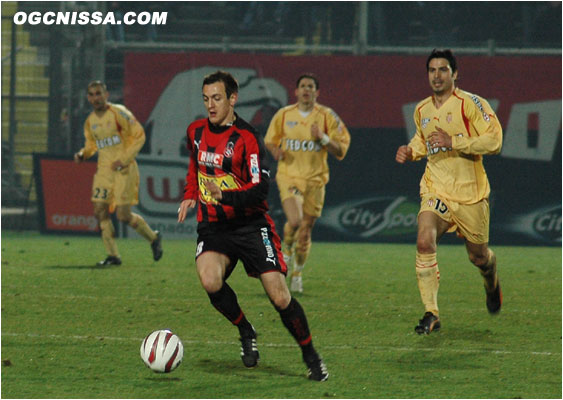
x: 212, y: 271
x: 430, y: 228
x: 294, y: 319
x: 293, y: 210
x: 101, y: 211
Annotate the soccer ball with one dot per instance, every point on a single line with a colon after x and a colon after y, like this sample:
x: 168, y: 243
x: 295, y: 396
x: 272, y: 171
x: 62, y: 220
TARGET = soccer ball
x: 162, y: 351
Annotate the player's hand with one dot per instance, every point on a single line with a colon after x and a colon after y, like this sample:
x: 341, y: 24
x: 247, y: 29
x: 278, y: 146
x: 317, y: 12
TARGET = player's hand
x: 78, y: 157
x: 185, y: 206
x: 316, y: 132
x: 213, y: 190
x: 440, y: 138
x: 277, y: 153
x: 404, y: 153
x: 117, y: 165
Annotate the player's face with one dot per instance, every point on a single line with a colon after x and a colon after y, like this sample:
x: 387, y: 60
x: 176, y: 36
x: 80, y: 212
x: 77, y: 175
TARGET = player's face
x: 220, y: 109
x: 306, y: 93
x: 440, y: 76
x: 98, y: 97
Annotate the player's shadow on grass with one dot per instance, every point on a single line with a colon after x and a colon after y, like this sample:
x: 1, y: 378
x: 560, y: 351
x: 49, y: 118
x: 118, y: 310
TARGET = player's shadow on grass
x: 92, y: 267
x: 220, y: 367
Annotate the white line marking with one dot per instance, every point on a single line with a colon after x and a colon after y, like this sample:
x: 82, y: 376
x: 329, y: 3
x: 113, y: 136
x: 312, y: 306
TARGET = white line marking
x: 333, y: 347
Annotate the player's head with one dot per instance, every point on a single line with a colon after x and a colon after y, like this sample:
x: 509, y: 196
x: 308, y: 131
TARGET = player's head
x: 97, y: 95
x: 307, y: 90
x: 220, y: 93
x: 441, y: 67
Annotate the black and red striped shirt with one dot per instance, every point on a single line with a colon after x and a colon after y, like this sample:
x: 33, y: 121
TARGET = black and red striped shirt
x: 234, y: 158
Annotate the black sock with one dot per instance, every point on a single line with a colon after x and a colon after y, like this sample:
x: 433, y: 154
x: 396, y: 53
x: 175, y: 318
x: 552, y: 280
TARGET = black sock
x: 225, y: 301
x: 294, y: 319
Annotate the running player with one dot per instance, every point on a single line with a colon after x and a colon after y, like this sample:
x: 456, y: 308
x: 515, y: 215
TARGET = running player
x: 300, y: 137
x: 113, y: 132
x: 454, y: 129
x: 228, y: 179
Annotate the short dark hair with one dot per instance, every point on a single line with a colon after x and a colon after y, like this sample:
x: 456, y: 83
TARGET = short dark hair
x: 445, y: 53
x: 231, y: 84
x: 97, y: 83
x: 309, y: 75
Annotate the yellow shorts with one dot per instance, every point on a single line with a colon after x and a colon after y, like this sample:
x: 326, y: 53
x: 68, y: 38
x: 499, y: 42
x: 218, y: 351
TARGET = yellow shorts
x: 470, y: 221
x: 310, y: 194
x: 116, y: 188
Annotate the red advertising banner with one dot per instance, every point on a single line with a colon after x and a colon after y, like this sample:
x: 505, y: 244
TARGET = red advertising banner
x: 64, y: 189
x: 366, y: 91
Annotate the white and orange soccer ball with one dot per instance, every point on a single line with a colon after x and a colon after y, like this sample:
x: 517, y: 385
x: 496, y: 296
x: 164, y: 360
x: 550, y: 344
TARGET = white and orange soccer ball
x: 162, y: 351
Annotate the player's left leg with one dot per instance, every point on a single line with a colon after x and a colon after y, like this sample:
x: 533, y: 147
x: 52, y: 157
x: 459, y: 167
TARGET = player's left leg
x: 483, y: 258
x: 294, y: 319
x: 137, y: 222
x: 302, y: 249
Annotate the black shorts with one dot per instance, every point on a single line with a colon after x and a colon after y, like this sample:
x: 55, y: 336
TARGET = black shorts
x: 255, y: 243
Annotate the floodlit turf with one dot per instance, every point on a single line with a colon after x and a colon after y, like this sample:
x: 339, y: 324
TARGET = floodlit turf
x: 71, y: 330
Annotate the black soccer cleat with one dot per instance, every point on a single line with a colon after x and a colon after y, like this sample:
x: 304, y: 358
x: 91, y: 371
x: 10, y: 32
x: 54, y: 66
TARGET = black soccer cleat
x: 249, y: 351
x: 156, y: 246
x: 494, y: 300
x: 427, y: 324
x: 317, y: 370
x: 110, y: 260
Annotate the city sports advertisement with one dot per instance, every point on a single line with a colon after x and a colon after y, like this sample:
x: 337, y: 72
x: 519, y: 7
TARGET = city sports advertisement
x: 370, y: 197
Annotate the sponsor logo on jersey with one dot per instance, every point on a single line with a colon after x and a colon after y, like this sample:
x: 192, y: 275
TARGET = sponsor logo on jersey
x: 210, y: 159
x: 425, y: 122
x: 254, y: 169
x: 225, y: 182
x: 108, y: 141
x: 270, y: 256
x: 480, y: 106
x: 292, y: 124
x: 302, y: 145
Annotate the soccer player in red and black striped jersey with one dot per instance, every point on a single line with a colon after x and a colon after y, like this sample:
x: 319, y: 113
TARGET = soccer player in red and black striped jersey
x: 229, y: 180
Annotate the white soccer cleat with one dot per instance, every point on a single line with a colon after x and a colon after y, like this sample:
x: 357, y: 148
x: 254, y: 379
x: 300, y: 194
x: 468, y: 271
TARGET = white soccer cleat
x: 296, y: 284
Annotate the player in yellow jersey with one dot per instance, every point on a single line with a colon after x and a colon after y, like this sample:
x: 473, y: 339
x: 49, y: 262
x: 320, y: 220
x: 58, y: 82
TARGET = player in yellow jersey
x: 113, y: 132
x: 300, y: 137
x: 454, y: 129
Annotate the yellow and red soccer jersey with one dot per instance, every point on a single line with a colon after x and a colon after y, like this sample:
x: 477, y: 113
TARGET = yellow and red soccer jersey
x: 116, y: 135
x: 457, y: 173
x: 304, y: 157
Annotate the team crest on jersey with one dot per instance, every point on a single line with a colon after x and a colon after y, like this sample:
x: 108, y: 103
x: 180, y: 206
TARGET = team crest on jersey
x: 229, y: 150
x: 449, y: 118
x: 425, y: 122
x: 210, y: 159
x: 292, y: 124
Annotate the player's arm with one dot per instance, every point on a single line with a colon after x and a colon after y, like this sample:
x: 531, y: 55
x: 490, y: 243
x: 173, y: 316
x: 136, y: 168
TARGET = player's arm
x: 487, y: 126
x: 416, y: 149
x: 336, y: 139
x: 89, y: 148
x: 191, y: 189
x: 274, y: 136
x: 255, y: 191
x: 133, y: 134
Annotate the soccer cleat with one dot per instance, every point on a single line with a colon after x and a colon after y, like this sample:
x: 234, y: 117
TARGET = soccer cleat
x: 494, y: 299
x: 156, y: 246
x: 427, y: 324
x: 249, y: 351
x: 296, y: 285
x: 110, y: 260
x: 317, y: 370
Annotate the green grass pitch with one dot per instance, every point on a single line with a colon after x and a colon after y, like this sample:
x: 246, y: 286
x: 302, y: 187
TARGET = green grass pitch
x: 71, y: 330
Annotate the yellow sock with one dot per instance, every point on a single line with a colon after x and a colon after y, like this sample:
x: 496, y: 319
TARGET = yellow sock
x: 489, y: 272
x: 428, y: 277
x: 108, y: 237
x: 141, y: 227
